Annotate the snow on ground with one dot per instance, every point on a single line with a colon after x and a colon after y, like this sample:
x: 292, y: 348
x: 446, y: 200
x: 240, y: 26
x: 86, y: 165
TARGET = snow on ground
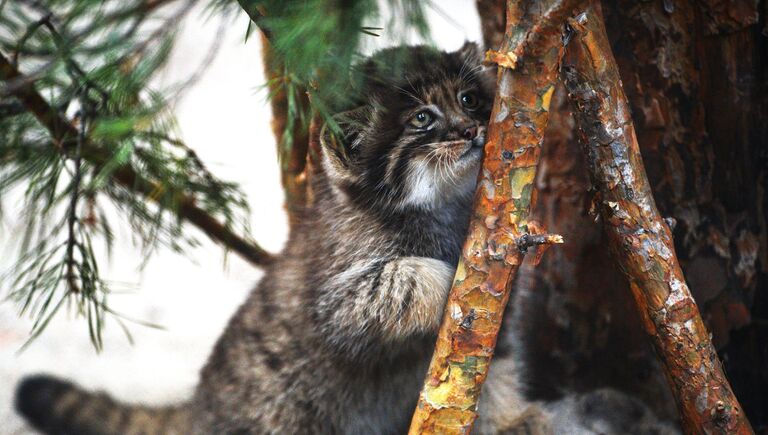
x: 224, y: 117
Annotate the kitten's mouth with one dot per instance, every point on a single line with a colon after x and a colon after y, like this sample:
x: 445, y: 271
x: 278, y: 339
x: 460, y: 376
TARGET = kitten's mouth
x: 474, y: 147
x: 463, y: 152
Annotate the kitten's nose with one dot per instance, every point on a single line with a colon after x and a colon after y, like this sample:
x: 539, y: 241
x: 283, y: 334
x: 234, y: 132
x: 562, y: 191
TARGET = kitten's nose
x: 470, y: 133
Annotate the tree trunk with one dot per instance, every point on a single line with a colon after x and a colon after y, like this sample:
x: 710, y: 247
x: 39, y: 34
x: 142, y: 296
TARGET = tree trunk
x: 639, y: 237
x: 696, y: 79
x: 290, y: 136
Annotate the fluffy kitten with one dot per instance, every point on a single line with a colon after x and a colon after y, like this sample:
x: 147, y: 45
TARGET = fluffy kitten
x: 337, y: 336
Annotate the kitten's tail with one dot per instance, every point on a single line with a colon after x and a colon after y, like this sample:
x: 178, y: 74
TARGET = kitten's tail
x: 53, y: 406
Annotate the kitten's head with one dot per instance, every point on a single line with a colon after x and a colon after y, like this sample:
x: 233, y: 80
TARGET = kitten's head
x: 415, y: 133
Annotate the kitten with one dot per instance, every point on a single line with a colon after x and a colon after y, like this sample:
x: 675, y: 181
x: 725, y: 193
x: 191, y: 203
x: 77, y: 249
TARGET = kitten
x: 338, y: 334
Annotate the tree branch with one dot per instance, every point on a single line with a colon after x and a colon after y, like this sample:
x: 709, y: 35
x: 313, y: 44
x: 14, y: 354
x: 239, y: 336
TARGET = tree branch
x: 62, y: 130
x: 492, y: 22
x: 640, y: 239
x: 256, y: 15
x: 498, y: 231
x: 292, y: 154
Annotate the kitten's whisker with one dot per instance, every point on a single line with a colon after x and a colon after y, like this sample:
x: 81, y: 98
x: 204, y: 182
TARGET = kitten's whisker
x: 408, y: 79
x: 472, y: 70
x: 444, y: 167
x: 462, y: 69
x: 410, y: 94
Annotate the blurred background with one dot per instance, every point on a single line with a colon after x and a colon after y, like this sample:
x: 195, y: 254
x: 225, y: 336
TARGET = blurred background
x: 225, y: 118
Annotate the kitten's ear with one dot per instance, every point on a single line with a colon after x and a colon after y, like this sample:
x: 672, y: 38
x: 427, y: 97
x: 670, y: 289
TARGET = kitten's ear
x: 340, y: 143
x: 471, y: 53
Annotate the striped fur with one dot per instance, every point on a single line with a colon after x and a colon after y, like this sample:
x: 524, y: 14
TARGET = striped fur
x: 337, y: 336
x: 59, y: 407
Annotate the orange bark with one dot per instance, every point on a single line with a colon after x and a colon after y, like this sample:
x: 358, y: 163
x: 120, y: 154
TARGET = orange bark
x: 640, y: 239
x: 498, y: 231
x: 292, y: 154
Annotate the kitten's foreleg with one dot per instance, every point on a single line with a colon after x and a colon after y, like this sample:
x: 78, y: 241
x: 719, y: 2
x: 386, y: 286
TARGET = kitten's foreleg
x: 393, y: 299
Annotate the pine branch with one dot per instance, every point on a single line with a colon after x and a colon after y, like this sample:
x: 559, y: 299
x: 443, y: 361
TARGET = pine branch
x: 137, y: 12
x: 74, y: 199
x: 255, y: 13
x: 63, y: 132
x: 498, y: 231
x: 640, y: 239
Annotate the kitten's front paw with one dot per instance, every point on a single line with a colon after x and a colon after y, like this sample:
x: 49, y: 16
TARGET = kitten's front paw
x: 419, y: 287
x: 532, y: 421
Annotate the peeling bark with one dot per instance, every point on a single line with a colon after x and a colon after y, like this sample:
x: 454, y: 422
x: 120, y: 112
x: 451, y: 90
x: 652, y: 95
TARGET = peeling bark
x: 640, y: 239
x: 499, y: 228
x: 700, y: 106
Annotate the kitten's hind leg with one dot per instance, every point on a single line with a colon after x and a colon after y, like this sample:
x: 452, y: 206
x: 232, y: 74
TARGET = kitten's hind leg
x: 502, y: 407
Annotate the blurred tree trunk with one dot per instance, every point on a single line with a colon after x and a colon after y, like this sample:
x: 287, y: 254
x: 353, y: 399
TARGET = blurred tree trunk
x: 696, y: 75
x: 292, y: 140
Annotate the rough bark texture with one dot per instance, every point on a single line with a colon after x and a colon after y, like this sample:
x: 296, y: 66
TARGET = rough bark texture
x: 292, y: 154
x: 62, y: 130
x: 498, y: 232
x: 696, y: 75
x: 640, y: 239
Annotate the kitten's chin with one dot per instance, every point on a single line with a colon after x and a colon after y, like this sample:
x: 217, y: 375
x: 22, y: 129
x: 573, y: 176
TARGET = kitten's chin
x: 468, y: 164
x: 469, y: 179
x: 465, y: 173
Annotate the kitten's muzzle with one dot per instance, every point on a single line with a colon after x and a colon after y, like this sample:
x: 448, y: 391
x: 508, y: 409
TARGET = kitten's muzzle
x: 478, y: 140
x: 470, y: 133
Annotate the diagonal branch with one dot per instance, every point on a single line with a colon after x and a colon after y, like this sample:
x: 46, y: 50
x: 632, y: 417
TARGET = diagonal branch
x: 498, y: 230
x: 62, y: 130
x: 256, y: 14
x: 640, y: 239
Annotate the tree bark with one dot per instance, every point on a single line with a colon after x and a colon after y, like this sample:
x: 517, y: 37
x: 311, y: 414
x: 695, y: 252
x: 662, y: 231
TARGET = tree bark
x: 492, y: 22
x: 61, y: 129
x: 695, y: 75
x: 292, y: 154
x: 640, y: 239
x: 498, y: 231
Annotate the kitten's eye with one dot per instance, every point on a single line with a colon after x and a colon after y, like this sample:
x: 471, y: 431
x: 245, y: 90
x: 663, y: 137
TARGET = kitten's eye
x: 469, y: 100
x: 421, y: 119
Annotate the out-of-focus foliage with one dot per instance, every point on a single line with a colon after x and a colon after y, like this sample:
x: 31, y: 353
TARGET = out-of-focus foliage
x: 317, y: 42
x: 93, y: 62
